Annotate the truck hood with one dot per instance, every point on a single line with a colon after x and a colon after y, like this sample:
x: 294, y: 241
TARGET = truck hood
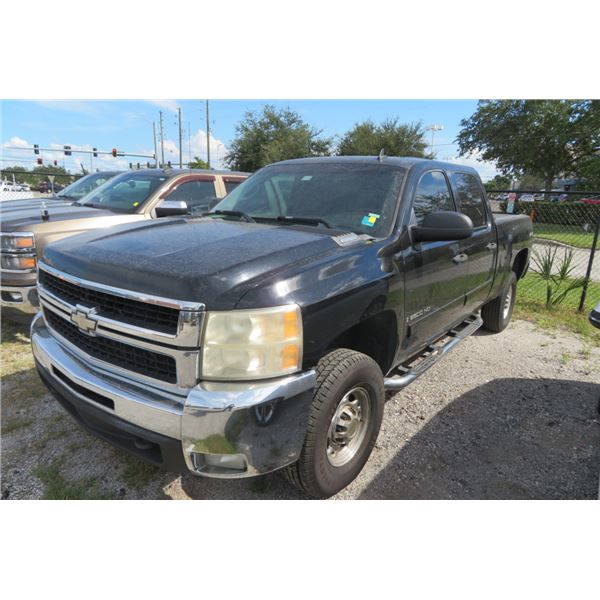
x: 18, y: 215
x: 211, y: 261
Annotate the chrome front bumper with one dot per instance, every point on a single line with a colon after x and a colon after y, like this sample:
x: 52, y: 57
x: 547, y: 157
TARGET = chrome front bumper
x: 26, y: 298
x: 226, y: 430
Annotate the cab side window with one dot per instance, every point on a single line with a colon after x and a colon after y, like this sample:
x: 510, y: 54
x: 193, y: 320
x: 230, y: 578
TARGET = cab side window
x: 470, y: 198
x: 432, y: 195
x: 196, y: 194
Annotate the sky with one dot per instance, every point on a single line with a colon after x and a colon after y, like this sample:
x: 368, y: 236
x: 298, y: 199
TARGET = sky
x: 127, y: 126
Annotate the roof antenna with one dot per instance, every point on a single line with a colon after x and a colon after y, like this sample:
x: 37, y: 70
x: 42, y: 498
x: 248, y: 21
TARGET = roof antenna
x: 381, y: 155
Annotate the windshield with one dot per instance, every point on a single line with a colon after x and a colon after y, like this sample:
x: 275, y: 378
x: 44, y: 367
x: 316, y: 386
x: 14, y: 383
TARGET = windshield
x: 125, y: 193
x: 352, y: 197
x: 78, y: 189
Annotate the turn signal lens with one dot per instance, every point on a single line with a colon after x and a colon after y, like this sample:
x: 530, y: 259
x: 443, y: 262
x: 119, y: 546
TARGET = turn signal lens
x: 18, y: 263
x: 17, y: 241
x: 24, y: 243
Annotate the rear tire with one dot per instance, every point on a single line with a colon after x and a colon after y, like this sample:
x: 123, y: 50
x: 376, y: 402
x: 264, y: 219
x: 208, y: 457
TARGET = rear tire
x: 496, y: 314
x: 343, y: 424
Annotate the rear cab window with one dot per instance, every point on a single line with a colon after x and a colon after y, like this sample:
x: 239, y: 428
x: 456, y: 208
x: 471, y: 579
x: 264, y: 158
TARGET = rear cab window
x: 470, y: 198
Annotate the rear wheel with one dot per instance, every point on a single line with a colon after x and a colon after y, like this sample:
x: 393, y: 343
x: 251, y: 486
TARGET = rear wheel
x: 497, y: 313
x: 343, y: 423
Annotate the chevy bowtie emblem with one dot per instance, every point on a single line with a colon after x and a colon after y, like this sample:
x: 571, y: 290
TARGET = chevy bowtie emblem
x: 83, y: 317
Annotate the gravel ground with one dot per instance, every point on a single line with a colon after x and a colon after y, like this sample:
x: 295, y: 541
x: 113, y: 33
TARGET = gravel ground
x: 503, y: 416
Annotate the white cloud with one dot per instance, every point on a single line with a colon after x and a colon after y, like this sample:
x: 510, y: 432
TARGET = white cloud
x: 16, y: 141
x: 170, y: 105
x: 197, y: 146
x: 487, y: 170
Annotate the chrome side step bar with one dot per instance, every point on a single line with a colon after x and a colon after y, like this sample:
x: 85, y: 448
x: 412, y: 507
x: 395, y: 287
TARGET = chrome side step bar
x: 418, y: 364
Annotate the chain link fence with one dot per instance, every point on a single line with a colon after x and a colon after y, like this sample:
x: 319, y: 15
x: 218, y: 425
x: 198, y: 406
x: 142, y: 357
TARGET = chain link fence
x: 565, y: 265
x: 18, y: 185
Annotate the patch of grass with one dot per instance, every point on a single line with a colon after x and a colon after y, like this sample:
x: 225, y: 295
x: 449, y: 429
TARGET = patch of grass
x: 565, y: 234
x: 565, y: 357
x: 10, y: 425
x: 560, y: 317
x: 533, y: 288
x: 137, y: 474
x: 585, y: 353
x: 57, y: 487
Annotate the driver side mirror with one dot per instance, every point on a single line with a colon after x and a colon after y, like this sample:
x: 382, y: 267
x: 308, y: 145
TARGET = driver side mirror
x: 443, y: 226
x: 171, y: 208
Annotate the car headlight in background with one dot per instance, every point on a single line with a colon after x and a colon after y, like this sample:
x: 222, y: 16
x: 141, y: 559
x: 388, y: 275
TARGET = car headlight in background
x: 252, y: 344
x: 16, y: 262
x: 19, y: 241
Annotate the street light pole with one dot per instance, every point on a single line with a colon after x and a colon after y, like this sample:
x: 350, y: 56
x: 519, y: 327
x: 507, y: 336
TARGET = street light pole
x: 179, y: 119
x: 207, y: 137
x: 155, y: 147
x: 433, y: 128
x: 162, y: 141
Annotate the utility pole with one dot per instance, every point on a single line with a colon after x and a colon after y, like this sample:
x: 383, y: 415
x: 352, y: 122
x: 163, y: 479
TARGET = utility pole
x: 207, y: 137
x: 189, y: 143
x: 162, y: 141
x: 155, y: 147
x: 179, y: 120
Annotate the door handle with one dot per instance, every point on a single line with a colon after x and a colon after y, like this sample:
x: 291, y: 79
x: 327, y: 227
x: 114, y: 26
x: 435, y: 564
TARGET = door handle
x: 460, y: 258
x: 492, y: 246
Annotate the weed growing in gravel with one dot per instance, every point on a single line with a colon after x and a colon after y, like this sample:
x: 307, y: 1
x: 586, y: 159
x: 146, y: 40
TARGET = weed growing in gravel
x: 137, y: 474
x: 10, y: 425
x: 56, y: 487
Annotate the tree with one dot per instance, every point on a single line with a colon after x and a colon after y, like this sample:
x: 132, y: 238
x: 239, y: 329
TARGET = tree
x: 543, y: 138
x: 368, y: 139
x: 197, y: 163
x: 273, y: 135
x: 499, y: 182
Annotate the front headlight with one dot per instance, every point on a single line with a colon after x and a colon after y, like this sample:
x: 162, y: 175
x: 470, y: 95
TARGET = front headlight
x: 18, y: 241
x: 252, y: 344
x: 16, y: 262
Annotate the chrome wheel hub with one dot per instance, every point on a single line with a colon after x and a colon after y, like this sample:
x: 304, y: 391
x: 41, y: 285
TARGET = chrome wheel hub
x: 507, y: 302
x: 348, y: 427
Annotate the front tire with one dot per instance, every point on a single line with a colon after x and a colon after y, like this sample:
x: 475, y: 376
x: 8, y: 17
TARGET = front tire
x: 343, y: 423
x: 497, y: 313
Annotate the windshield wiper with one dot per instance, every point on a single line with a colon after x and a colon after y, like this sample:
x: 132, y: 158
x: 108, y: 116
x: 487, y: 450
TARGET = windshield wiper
x: 305, y: 220
x: 231, y: 213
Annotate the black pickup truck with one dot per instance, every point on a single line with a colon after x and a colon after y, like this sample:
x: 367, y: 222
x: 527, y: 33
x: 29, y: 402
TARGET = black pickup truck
x: 264, y: 335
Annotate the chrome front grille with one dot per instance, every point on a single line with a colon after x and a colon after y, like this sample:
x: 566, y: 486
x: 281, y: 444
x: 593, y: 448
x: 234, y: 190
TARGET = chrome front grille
x: 149, y: 338
x: 126, y: 310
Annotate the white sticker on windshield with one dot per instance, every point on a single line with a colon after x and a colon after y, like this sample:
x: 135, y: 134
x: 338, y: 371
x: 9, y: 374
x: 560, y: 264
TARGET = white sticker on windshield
x: 307, y: 178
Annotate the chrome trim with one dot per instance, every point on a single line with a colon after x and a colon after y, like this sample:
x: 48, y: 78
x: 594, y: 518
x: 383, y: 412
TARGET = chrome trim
x: 157, y: 412
x: 123, y: 293
x: 189, y: 327
x: 186, y: 361
x: 265, y: 422
x: 25, y: 305
x: 229, y: 418
x: 438, y: 352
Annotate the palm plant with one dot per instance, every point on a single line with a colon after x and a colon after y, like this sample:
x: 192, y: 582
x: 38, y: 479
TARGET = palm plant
x: 558, y: 278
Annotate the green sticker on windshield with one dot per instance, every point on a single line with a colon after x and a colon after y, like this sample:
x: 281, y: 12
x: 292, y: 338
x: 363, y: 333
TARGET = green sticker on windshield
x: 370, y: 219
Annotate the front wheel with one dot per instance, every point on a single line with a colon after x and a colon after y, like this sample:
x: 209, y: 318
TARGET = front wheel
x: 497, y: 313
x: 343, y: 423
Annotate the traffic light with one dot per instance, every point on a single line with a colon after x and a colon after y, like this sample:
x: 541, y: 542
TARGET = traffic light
x: 131, y: 165
x: 36, y: 149
x: 138, y: 166
x: 40, y: 161
x: 67, y: 150
x: 169, y: 164
x: 114, y: 152
x: 55, y: 162
x: 95, y: 152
